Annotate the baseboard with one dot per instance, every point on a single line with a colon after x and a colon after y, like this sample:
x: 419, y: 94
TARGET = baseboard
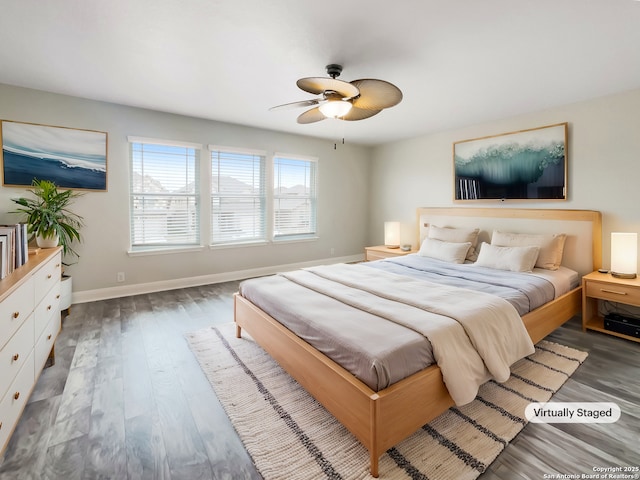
x: 142, y: 288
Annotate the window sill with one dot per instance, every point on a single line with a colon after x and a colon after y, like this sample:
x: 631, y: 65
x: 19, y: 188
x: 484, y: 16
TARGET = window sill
x: 164, y: 251
x: 284, y: 240
x: 222, y: 246
x: 199, y: 248
x: 281, y: 241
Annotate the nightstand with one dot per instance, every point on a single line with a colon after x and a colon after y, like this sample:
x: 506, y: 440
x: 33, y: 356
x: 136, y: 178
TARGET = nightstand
x: 602, y: 286
x: 380, y: 251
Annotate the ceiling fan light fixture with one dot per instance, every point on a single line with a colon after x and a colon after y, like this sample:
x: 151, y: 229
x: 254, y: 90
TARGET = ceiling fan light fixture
x: 335, y: 108
x: 355, y: 100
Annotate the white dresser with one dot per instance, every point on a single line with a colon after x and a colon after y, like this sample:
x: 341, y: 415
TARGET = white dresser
x: 29, y: 325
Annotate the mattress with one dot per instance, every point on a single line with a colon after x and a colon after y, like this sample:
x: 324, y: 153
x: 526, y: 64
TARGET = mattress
x: 377, y: 351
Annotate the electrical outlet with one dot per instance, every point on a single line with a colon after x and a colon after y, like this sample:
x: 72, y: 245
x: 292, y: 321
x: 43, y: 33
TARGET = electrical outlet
x: 120, y: 277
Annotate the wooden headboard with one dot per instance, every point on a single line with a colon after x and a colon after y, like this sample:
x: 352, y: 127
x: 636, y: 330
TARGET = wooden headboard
x: 583, y: 247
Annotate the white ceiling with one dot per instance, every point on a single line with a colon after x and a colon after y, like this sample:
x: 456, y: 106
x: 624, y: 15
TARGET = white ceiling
x: 458, y: 62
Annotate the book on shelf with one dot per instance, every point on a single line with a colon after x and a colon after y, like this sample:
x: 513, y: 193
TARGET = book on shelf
x: 4, y: 258
x: 10, y: 234
x: 16, y: 251
x: 24, y: 243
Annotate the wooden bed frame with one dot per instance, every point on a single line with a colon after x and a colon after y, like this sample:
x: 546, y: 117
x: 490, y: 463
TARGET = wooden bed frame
x: 380, y: 420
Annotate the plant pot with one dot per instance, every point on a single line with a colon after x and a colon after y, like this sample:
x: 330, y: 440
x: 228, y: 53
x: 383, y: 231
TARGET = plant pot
x: 66, y: 286
x: 50, y: 242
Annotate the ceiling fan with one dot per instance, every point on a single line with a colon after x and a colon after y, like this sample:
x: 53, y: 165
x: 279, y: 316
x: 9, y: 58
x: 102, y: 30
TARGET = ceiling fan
x: 354, y: 100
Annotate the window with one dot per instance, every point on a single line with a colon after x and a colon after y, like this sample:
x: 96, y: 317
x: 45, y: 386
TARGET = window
x: 253, y: 198
x: 238, y: 196
x: 294, y: 197
x: 164, y: 194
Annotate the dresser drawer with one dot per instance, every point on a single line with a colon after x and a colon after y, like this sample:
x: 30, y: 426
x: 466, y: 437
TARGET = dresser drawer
x: 46, y: 309
x: 12, y: 404
x: 616, y: 293
x: 14, y: 354
x: 45, y: 342
x: 15, y: 309
x: 48, y: 276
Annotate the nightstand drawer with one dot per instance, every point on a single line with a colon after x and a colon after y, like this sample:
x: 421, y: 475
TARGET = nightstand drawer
x: 615, y: 292
x: 379, y: 252
x: 377, y: 256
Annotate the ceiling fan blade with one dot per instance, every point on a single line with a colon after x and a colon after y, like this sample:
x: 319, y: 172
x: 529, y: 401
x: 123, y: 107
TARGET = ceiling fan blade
x: 303, y: 103
x: 311, y: 116
x: 376, y: 94
x: 320, y: 85
x: 359, y: 114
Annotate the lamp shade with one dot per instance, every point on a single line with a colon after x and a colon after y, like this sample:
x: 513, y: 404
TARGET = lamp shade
x: 392, y: 234
x: 335, y: 108
x: 624, y: 255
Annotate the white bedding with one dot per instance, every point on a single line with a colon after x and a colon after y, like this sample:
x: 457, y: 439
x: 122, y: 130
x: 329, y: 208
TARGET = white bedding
x: 564, y: 279
x: 473, y: 340
x: 523, y: 290
x: 353, y: 327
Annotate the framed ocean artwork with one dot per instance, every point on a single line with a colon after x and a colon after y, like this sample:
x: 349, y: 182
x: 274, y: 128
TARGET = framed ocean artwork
x: 523, y: 165
x: 69, y: 157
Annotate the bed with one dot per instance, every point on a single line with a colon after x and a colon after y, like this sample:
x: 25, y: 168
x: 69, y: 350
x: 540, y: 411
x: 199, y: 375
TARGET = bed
x: 382, y: 418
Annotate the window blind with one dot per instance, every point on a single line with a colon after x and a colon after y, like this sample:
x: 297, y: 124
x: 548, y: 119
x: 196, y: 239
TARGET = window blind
x: 164, y: 194
x: 294, y: 197
x: 238, y: 196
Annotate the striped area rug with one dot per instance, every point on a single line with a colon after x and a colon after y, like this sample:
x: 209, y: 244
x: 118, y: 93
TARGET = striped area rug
x: 291, y: 436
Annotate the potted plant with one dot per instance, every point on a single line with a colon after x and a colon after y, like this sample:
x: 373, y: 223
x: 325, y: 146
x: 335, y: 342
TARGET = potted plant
x: 48, y: 218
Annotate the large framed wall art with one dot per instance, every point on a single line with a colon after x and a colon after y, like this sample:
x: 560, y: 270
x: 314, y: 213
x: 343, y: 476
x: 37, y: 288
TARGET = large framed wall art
x: 524, y: 165
x: 69, y: 157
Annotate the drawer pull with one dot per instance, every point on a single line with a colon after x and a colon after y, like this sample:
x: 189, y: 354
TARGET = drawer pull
x: 58, y: 296
x: 16, y: 314
x: 49, y: 337
x: 16, y: 395
x: 48, y: 307
x: 612, y: 291
x: 49, y: 276
x: 16, y: 357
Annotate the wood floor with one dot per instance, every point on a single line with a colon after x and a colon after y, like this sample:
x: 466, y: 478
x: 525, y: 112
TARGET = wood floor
x: 127, y: 399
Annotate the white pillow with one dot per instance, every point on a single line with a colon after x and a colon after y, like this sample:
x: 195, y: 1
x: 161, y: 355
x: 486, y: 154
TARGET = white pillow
x: 514, y: 259
x: 446, y: 251
x: 457, y: 235
x: 551, y: 246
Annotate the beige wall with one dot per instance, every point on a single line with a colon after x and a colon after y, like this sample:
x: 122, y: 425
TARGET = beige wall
x: 360, y: 187
x: 342, y: 208
x: 604, y: 167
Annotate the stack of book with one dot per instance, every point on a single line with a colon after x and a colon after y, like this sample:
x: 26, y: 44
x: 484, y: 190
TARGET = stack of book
x: 14, y: 248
